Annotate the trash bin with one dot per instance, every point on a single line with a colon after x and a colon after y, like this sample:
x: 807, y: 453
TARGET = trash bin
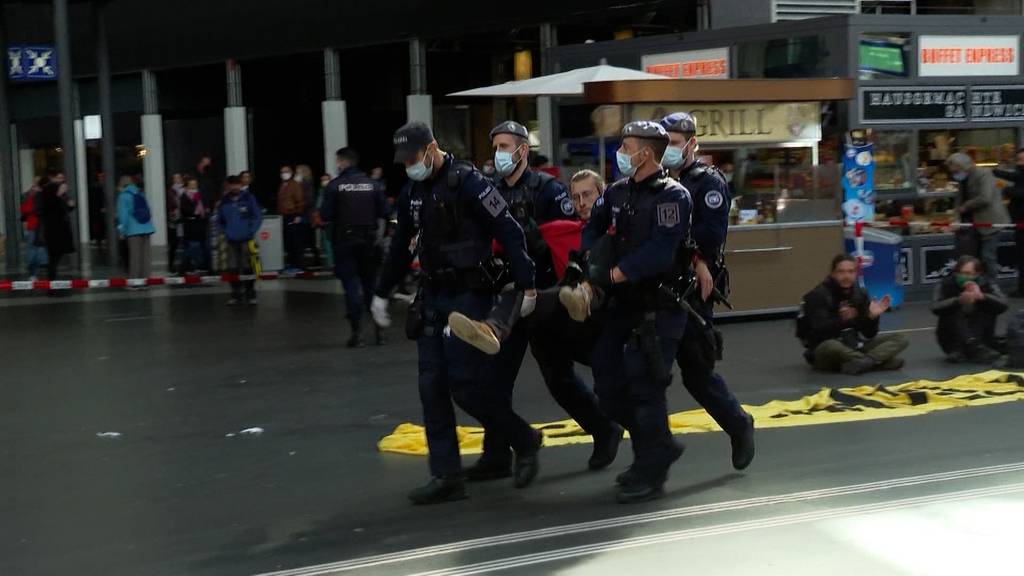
x: 881, y: 264
x: 271, y: 242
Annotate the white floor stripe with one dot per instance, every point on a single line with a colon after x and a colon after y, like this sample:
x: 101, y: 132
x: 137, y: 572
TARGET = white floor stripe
x: 624, y: 521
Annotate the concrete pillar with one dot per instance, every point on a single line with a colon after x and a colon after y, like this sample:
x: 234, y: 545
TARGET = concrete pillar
x: 418, y: 104
x: 153, y: 162
x: 545, y: 106
x: 545, y: 125
x: 107, y: 130
x: 236, y: 124
x: 26, y: 167
x: 334, y: 110
x: 65, y: 97
x: 82, y: 179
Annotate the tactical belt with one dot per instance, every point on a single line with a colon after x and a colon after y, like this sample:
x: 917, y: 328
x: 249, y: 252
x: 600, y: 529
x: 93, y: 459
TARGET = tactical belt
x: 455, y: 281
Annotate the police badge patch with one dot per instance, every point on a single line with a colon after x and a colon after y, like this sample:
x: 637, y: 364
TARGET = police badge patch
x: 493, y: 201
x: 668, y: 215
x: 567, y: 208
x: 714, y: 199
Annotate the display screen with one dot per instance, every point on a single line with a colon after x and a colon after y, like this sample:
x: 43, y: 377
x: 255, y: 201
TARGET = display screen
x: 882, y: 56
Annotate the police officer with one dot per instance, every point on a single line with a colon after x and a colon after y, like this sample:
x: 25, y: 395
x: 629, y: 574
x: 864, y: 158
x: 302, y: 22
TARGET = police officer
x: 457, y: 214
x: 534, y: 198
x: 354, y: 204
x: 700, y: 345
x: 635, y: 244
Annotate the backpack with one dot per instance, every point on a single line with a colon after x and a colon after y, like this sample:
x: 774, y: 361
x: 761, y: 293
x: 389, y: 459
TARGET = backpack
x: 140, y: 209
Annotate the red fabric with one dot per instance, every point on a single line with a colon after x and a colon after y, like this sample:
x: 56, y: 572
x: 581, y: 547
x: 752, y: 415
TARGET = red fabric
x: 562, y: 236
x: 28, y: 212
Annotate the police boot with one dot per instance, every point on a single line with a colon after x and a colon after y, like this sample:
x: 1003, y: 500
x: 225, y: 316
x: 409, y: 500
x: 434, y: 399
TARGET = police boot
x: 743, y: 446
x: 477, y: 334
x: 527, y: 465
x: 486, y: 469
x: 628, y: 476
x: 606, y: 448
x: 356, y: 340
x: 381, y: 339
x: 438, y: 490
x: 640, y: 491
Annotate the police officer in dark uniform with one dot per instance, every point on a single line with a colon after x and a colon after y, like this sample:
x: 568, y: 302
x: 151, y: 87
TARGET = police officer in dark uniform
x: 457, y: 214
x: 354, y: 204
x: 700, y: 346
x: 635, y: 246
x: 534, y: 198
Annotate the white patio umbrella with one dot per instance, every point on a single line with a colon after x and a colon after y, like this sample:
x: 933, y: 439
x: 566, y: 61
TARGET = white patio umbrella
x: 561, y: 84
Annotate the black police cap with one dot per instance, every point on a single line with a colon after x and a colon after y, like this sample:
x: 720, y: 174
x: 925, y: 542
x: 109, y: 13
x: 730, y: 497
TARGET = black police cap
x: 681, y: 122
x: 645, y: 129
x: 410, y: 139
x: 509, y: 127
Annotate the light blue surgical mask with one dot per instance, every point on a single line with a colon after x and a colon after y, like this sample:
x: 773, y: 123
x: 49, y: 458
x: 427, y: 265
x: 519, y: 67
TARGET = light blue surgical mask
x: 959, y: 176
x: 419, y: 171
x: 674, y: 157
x: 625, y: 162
x: 504, y: 163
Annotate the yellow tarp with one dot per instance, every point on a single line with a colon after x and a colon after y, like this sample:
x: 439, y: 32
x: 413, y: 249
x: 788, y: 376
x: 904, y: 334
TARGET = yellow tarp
x: 827, y: 406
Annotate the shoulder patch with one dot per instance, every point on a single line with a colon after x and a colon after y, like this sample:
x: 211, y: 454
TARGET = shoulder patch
x: 493, y: 201
x: 567, y: 208
x: 714, y: 199
x: 668, y: 214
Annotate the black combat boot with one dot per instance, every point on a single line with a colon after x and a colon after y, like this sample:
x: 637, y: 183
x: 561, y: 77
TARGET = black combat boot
x: 438, y: 490
x: 356, y: 340
x: 743, y: 446
x: 606, y: 448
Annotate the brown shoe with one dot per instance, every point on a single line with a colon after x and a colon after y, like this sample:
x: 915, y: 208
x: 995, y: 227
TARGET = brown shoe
x: 576, y: 301
x: 477, y: 334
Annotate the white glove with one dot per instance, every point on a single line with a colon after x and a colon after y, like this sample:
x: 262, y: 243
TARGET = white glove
x: 379, y: 311
x: 529, y: 304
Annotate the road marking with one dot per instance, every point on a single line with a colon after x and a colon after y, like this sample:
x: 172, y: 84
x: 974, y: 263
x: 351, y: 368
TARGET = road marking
x: 636, y: 519
x: 719, y: 530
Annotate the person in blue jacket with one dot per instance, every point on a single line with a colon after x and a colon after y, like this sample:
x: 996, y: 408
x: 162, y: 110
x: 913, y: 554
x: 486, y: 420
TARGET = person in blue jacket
x: 239, y: 216
x: 135, y: 225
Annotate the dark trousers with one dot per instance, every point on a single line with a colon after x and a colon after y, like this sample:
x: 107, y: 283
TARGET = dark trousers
x: 1018, y: 238
x: 696, y: 358
x: 173, y: 242
x: 629, y: 392
x: 53, y: 265
x: 450, y: 369
x: 955, y: 331
x: 239, y: 262
x: 356, y: 264
x: 294, y: 241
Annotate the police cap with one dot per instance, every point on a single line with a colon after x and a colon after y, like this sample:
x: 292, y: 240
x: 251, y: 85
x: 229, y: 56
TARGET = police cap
x: 645, y: 129
x: 410, y: 139
x: 681, y: 122
x: 509, y: 127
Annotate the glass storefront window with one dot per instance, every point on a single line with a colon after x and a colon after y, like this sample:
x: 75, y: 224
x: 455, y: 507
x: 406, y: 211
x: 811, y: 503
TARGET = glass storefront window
x: 988, y: 147
x: 892, y: 160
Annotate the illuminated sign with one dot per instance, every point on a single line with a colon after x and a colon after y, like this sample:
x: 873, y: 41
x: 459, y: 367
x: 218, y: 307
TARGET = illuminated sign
x: 691, y: 64
x: 968, y: 55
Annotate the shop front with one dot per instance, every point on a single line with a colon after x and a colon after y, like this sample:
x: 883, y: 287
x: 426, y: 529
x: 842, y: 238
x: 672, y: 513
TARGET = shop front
x: 767, y: 137
x: 958, y: 94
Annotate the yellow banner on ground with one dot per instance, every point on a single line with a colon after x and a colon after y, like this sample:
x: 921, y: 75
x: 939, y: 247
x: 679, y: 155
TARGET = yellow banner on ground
x: 827, y: 406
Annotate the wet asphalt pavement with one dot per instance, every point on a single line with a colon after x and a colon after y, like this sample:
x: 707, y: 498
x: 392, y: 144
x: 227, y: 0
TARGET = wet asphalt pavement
x: 182, y: 491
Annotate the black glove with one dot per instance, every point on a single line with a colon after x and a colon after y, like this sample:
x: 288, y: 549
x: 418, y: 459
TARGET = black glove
x: 574, y: 269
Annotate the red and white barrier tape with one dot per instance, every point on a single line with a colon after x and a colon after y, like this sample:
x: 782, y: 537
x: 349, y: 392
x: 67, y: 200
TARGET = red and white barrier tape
x: 81, y: 284
x: 900, y: 223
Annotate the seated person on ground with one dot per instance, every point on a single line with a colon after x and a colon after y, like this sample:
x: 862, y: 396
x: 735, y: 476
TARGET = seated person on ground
x: 968, y: 305
x: 838, y: 325
x: 585, y: 188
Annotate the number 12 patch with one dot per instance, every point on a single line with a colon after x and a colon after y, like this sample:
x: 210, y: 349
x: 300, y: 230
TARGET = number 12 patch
x: 668, y: 215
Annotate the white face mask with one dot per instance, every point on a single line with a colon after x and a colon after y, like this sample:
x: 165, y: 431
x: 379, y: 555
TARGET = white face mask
x: 286, y: 176
x: 299, y: 178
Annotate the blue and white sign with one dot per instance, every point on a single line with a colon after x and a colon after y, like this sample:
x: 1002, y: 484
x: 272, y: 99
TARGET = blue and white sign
x: 859, y: 183
x: 32, y: 63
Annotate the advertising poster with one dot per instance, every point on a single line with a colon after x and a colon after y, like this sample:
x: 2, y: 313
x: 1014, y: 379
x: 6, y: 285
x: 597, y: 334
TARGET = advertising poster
x: 859, y: 183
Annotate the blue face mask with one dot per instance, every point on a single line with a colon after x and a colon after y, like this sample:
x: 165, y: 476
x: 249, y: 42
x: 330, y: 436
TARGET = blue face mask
x: 625, y: 162
x: 504, y: 164
x: 674, y: 157
x: 419, y: 171
x: 959, y: 176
